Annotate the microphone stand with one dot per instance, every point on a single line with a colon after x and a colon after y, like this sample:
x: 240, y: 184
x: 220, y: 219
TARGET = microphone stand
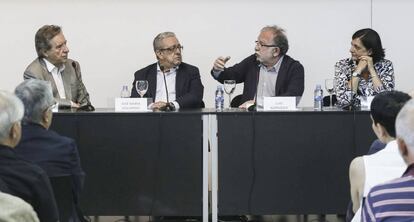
x: 254, y: 106
x: 167, y: 107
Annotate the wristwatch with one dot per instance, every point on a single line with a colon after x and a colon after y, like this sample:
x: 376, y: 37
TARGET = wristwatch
x: 356, y: 74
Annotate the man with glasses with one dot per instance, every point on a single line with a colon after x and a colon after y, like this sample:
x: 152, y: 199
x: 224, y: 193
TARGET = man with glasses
x: 55, y: 154
x: 22, y: 178
x: 268, y: 72
x: 54, y: 66
x: 172, y: 84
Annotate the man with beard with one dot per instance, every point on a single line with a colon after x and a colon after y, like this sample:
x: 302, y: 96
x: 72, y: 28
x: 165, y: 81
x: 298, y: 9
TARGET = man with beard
x: 268, y: 72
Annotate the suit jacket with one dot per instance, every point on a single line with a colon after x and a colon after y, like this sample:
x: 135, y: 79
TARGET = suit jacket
x: 75, y: 90
x: 290, y: 79
x: 29, y: 182
x: 57, y: 155
x: 188, y: 86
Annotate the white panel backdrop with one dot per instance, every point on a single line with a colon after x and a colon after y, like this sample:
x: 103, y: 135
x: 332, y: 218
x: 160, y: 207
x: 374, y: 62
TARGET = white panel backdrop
x: 112, y: 39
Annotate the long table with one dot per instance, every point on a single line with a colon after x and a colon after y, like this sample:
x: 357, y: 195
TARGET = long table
x: 138, y: 163
x: 287, y: 162
x: 265, y: 162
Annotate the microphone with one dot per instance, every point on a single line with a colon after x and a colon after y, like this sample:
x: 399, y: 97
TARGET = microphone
x: 169, y: 106
x: 254, y: 106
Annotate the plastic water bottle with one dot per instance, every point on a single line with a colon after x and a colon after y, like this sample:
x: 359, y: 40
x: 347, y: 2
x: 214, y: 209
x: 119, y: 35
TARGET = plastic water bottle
x: 219, y: 98
x: 125, y: 92
x: 318, y: 98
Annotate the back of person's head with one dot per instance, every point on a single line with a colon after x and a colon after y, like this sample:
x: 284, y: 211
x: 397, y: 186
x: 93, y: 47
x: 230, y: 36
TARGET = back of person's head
x: 37, y: 97
x: 385, y: 107
x: 371, y: 41
x: 405, y: 125
x: 11, y: 111
x: 280, y: 39
x: 43, y: 37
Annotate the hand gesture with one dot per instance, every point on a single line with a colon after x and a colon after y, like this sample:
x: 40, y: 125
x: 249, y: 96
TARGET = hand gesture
x: 220, y: 63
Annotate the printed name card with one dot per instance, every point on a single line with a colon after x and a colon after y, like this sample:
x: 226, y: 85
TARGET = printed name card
x: 279, y: 103
x: 131, y: 105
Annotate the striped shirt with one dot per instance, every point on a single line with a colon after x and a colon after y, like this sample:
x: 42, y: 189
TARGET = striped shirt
x: 391, y: 201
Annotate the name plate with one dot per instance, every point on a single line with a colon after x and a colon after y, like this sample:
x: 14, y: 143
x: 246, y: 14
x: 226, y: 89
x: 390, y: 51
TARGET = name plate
x: 131, y: 105
x: 279, y: 103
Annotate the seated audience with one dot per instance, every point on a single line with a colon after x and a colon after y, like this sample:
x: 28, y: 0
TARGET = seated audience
x: 363, y: 171
x: 55, y: 154
x: 367, y: 72
x: 23, y: 179
x: 394, y: 200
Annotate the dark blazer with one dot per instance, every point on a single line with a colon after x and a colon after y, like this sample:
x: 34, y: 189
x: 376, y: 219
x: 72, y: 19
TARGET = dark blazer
x: 75, y: 90
x: 29, y: 182
x: 55, y: 154
x: 188, y: 86
x: 290, y: 80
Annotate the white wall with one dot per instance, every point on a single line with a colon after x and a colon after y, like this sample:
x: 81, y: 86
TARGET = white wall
x: 112, y: 39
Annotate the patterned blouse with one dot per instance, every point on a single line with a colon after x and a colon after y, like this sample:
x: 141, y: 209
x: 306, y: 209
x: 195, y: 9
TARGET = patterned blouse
x: 343, y: 72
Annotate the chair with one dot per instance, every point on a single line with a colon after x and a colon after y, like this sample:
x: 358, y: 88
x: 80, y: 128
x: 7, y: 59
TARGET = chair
x: 62, y: 189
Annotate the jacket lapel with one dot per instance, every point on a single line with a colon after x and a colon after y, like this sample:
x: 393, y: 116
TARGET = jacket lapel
x: 152, y: 81
x: 179, y: 81
x: 66, y: 78
x: 281, y: 76
x: 48, y: 77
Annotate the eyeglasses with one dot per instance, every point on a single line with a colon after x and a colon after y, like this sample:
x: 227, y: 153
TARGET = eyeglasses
x: 173, y: 48
x: 264, y: 45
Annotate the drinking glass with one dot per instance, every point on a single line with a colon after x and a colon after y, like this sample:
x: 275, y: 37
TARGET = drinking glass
x: 329, y: 86
x: 141, y: 86
x: 229, y: 87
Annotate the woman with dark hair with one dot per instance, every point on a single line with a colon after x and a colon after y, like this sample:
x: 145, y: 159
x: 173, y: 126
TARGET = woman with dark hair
x: 366, y: 73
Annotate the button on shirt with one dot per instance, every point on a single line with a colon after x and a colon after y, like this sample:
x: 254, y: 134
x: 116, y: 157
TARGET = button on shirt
x: 267, y: 81
x: 57, y: 76
x: 161, y: 94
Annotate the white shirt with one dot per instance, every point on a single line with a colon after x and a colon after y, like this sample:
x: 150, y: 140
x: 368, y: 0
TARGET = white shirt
x: 160, y: 93
x: 267, y: 81
x: 14, y: 209
x: 57, y: 76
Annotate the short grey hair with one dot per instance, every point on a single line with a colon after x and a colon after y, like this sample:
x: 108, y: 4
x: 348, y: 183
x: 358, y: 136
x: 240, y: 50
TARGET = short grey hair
x: 404, y: 124
x: 36, y: 96
x: 11, y: 111
x: 280, y: 39
x: 157, y: 40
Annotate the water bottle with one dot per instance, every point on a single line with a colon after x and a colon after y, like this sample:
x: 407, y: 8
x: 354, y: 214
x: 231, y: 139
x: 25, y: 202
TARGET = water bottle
x: 125, y: 92
x: 318, y: 98
x: 219, y: 98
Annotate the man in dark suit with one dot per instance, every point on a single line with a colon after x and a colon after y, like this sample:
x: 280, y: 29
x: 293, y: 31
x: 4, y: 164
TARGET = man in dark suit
x: 22, y: 178
x: 54, y: 66
x: 55, y: 154
x: 269, y: 72
x: 172, y: 84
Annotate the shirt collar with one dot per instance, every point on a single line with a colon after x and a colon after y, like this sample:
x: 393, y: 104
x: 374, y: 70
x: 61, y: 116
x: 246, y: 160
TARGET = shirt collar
x: 50, y: 67
x: 167, y: 72
x: 274, y: 68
